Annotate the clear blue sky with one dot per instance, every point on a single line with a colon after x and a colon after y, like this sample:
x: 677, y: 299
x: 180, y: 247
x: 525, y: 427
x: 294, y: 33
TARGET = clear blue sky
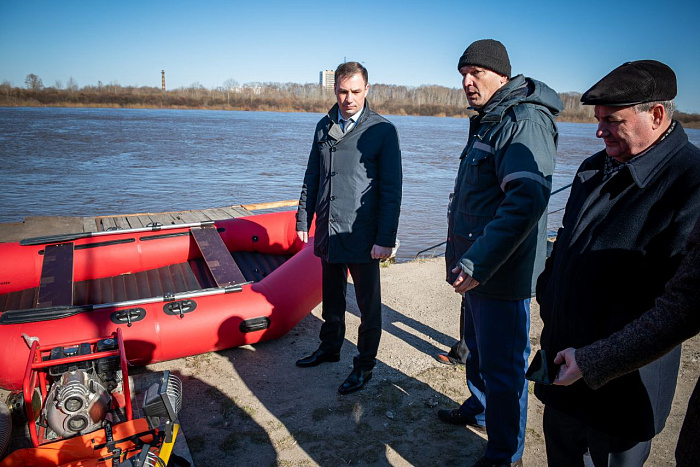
x: 568, y: 45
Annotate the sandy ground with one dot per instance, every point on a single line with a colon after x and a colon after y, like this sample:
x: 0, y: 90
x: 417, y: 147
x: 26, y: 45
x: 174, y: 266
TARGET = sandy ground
x: 253, y: 406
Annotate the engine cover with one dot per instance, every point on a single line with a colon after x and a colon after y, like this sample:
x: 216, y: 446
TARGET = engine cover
x: 76, y: 404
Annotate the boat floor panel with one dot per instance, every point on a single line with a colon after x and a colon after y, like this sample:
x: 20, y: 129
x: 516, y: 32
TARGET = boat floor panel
x: 56, y: 284
x: 176, y: 278
x: 219, y: 260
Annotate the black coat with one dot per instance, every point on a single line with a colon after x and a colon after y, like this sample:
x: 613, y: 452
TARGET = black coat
x: 674, y: 318
x: 353, y: 186
x: 621, y: 241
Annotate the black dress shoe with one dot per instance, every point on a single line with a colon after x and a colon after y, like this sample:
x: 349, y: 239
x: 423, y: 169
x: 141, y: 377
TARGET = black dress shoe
x: 455, y: 417
x: 355, y: 381
x: 317, y: 358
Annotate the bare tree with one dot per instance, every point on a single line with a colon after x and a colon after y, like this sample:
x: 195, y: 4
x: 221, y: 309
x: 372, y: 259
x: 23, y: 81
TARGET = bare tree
x: 196, y: 90
x: 229, y: 85
x: 6, y: 87
x: 72, y: 85
x: 33, y: 82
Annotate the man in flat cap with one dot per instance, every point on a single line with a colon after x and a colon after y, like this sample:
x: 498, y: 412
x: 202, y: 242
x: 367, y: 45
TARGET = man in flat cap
x: 631, y: 209
x: 496, y: 240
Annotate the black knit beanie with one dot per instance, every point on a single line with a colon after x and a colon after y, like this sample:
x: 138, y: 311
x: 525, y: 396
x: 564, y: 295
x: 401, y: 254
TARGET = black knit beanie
x: 487, y: 53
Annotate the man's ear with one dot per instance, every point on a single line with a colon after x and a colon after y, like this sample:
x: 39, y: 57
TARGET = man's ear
x: 658, y: 113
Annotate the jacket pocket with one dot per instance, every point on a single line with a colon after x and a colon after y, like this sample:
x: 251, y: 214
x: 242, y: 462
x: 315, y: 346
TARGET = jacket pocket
x: 480, y: 166
x: 469, y: 226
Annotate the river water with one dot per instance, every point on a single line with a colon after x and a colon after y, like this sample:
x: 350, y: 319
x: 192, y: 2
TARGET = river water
x: 89, y: 162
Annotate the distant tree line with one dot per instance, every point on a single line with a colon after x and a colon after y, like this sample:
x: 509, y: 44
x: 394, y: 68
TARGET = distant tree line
x: 282, y: 97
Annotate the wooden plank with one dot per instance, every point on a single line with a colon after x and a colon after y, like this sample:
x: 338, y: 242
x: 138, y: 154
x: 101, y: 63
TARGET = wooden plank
x: 208, y: 214
x: 177, y: 218
x: 170, y: 218
x: 108, y: 223
x: 144, y: 220
x: 188, y: 217
x: 135, y: 222
x: 121, y: 222
x: 218, y: 258
x: 56, y: 285
x: 218, y: 214
x: 152, y: 220
x: 90, y: 224
x: 98, y: 221
x: 211, y: 214
x: 242, y: 212
x: 270, y: 205
x: 163, y: 219
x: 230, y: 212
x: 203, y: 215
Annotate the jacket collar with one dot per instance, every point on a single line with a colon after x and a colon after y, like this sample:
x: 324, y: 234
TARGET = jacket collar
x: 334, y: 130
x: 507, y: 96
x: 333, y: 113
x: 644, y: 168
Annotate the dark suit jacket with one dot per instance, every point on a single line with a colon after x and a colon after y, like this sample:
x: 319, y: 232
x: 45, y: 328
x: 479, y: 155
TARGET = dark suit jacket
x: 353, y: 186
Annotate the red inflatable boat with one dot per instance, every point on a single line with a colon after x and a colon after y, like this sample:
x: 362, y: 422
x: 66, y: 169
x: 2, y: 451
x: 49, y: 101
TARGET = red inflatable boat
x: 173, y: 290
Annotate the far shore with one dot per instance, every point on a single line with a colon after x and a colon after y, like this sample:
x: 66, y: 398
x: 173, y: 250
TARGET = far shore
x: 687, y: 120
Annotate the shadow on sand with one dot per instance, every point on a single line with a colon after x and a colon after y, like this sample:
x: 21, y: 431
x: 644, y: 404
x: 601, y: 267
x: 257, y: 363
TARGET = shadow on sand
x: 256, y: 407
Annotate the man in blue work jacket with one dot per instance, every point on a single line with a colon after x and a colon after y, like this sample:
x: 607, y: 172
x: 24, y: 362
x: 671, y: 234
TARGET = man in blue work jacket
x: 496, y: 240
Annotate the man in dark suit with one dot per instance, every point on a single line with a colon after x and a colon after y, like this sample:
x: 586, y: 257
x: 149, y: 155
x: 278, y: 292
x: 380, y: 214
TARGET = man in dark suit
x: 353, y: 187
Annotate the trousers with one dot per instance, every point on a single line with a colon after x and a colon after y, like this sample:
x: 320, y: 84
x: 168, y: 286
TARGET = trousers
x: 572, y: 443
x: 497, y: 335
x: 365, y: 277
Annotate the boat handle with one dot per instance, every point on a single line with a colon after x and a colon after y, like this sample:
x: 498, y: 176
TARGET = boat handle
x: 179, y: 308
x: 129, y: 316
x: 254, y: 324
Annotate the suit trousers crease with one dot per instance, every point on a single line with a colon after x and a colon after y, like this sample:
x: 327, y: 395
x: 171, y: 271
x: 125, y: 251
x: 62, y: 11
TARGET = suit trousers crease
x: 366, y: 280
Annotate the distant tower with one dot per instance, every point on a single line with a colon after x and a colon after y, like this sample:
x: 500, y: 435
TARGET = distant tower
x: 327, y: 79
x: 162, y: 72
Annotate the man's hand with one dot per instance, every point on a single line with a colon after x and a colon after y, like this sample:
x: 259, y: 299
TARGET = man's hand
x: 569, y: 372
x: 303, y: 236
x: 464, y: 283
x: 381, y: 252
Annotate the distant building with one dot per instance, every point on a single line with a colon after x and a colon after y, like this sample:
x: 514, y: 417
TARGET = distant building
x: 327, y: 79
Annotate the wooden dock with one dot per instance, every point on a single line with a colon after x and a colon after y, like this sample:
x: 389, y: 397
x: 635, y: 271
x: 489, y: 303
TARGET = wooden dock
x: 37, y: 226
